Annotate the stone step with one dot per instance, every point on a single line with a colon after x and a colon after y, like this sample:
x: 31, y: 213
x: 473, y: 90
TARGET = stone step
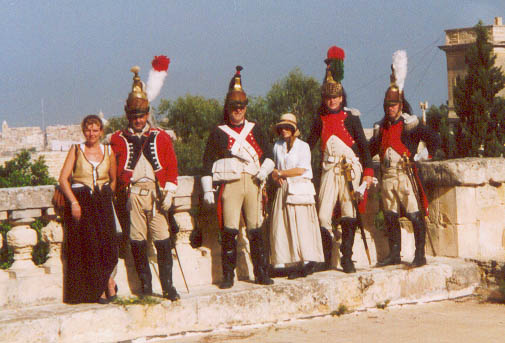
x: 208, y: 308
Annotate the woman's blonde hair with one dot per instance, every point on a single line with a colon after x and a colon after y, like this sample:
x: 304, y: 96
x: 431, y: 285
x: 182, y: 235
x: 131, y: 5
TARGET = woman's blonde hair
x: 90, y: 120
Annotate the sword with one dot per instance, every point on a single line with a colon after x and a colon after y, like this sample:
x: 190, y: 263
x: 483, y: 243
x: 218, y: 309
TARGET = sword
x: 347, y: 167
x: 407, y: 165
x: 174, y: 228
x: 173, y: 224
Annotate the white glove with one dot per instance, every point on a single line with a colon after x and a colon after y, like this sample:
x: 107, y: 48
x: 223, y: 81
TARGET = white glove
x: 422, y: 155
x: 208, y: 192
x: 169, y: 190
x: 167, y: 201
x: 360, y: 191
x: 266, y: 168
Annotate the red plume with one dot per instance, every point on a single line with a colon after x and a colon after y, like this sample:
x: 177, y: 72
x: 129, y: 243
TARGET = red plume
x: 160, y: 63
x: 335, y: 52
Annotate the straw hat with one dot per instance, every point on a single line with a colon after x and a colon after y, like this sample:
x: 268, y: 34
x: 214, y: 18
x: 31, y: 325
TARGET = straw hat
x: 289, y: 120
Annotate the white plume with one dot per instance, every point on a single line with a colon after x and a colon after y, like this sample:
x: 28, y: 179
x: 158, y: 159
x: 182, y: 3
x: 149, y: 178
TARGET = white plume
x: 154, y: 83
x: 400, y: 67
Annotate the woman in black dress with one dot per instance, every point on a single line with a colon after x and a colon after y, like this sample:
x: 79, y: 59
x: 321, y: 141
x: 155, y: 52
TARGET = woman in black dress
x: 87, y: 179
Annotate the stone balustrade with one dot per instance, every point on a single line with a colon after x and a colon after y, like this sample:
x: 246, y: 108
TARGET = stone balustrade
x: 467, y: 219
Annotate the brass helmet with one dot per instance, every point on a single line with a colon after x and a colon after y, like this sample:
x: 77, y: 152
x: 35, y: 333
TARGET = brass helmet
x: 137, y: 102
x: 236, y: 94
x: 332, y: 86
x: 394, y: 94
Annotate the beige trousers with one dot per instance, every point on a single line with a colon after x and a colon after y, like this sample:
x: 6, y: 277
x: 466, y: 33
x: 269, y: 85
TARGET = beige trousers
x: 145, y: 219
x: 334, y: 189
x: 242, y: 195
x: 397, y: 191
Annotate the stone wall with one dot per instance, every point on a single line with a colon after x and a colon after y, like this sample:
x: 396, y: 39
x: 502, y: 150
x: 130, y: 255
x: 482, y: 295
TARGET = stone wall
x: 468, y: 207
x: 467, y: 219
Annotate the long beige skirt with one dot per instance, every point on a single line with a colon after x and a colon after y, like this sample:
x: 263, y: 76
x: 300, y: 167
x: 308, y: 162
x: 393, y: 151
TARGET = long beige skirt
x: 294, y: 232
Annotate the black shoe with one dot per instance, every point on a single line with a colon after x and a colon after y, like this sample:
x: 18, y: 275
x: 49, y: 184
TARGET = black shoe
x: 264, y: 280
x: 171, y: 294
x: 227, y: 281
x: 389, y: 261
x: 348, y: 266
x: 393, y: 257
x: 113, y: 297
x: 225, y: 284
x: 309, y: 268
x: 419, y: 261
x: 103, y: 301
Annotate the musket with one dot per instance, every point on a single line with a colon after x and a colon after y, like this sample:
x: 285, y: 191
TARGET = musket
x: 347, y: 167
x: 174, y: 228
x: 408, y: 167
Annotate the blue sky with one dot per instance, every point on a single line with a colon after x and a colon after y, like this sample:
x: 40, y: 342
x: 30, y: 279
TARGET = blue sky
x: 67, y: 59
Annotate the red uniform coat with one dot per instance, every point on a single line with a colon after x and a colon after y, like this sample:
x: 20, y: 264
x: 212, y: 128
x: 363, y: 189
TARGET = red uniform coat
x: 155, y: 144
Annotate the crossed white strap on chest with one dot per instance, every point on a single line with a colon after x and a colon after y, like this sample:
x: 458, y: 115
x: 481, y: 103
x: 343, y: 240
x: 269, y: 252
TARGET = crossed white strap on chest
x: 241, y: 148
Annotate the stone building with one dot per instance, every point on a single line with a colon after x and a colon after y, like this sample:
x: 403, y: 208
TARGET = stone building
x: 53, y: 138
x: 15, y: 139
x: 456, y: 43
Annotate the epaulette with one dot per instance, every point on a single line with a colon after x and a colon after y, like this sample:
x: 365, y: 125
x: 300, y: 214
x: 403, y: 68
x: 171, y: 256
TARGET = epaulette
x: 354, y: 111
x: 410, y: 120
x: 377, y: 127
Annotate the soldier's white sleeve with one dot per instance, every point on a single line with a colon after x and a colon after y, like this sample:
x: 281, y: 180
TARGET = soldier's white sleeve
x: 208, y: 191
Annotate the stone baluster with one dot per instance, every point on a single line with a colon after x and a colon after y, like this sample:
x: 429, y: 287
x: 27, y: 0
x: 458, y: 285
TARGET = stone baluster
x: 52, y: 234
x: 22, y: 239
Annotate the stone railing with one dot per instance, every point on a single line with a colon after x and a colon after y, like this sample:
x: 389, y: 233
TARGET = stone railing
x: 467, y: 219
x: 26, y: 283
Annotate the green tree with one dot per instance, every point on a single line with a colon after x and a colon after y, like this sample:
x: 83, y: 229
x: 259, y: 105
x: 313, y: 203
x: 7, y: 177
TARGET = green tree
x: 481, y: 111
x: 295, y: 93
x: 115, y: 123
x: 21, y: 171
x: 437, y: 118
x: 192, y: 118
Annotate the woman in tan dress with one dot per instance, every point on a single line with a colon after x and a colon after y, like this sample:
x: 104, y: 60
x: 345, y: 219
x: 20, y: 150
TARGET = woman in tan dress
x: 295, y: 239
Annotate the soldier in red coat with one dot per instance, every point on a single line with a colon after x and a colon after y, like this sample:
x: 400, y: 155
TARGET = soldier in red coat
x: 396, y: 139
x: 342, y: 140
x: 147, y: 173
x: 238, y: 159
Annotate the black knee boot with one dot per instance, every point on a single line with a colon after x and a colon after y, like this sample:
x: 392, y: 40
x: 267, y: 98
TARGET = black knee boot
x: 139, y: 252
x: 259, y: 257
x: 419, y: 238
x: 165, y: 263
x: 228, y: 256
x: 392, y: 221
x: 326, y: 241
x: 348, y: 231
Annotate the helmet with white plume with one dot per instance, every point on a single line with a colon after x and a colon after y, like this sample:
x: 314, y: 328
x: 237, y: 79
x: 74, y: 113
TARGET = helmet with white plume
x: 394, y: 94
x: 141, y: 95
